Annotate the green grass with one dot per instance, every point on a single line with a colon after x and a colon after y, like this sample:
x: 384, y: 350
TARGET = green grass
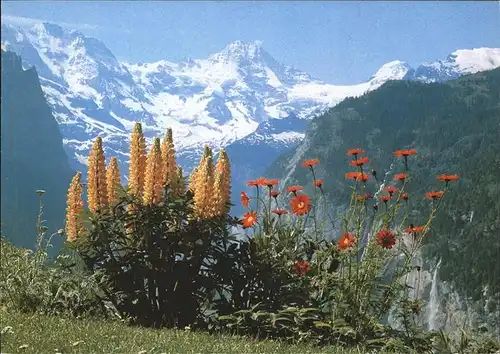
x: 44, y: 334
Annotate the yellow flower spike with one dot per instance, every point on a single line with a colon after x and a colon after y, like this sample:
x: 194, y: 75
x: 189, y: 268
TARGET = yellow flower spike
x: 74, y: 209
x: 97, y: 191
x: 153, y: 187
x: 137, y: 167
x: 113, y: 181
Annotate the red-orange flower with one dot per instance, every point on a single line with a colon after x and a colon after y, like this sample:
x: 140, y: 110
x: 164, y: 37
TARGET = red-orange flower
x: 360, y: 161
x: 249, y: 219
x: 391, y: 190
x: 252, y: 183
x: 364, y: 197
x: 415, y: 229
x: 404, y: 196
x: 351, y: 175
x: 271, y: 182
x: 300, y: 204
x: 362, y: 177
x: 301, y: 268
x: 385, y: 198
x: 448, y: 178
x: 386, y: 238
x: 359, y: 176
x: 400, y: 176
x: 318, y: 183
x: 279, y: 211
x: 274, y: 194
x: 405, y: 153
x: 434, y: 195
x: 346, y: 241
x: 355, y: 152
x: 244, y: 199
x: 293, y: 189
x: 310, y: 163
x: 261, y: 181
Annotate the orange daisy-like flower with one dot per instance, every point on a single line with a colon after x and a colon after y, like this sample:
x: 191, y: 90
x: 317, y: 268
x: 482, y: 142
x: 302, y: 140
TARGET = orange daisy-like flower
x: 318, y: 183
x: 415, y: 229
x: 359, y: 176
x: 261, y: 181
x: 271, y: 182
x: 300, y: 204
x: 360, y: 161
x: 404, y: 196
x: 252, y: 183
x: 352, y: 175
x: 279, y: 212
x: 448, y: 178
x: 405, y: 153
x: 362, y: 177
x: 364, y: 197
x: 310, y: 163
x: 386, y: 239
x: 391, y: 190
x: 244, y: 199
x: 355, y: 152
x: 293, y: 189
x: 249, y: 219
x: 301, y: 268
x: 434, y: 195
x: 385, y: 198
x: 400, y: 176
x: 346, y: 241
x: 274, y: 194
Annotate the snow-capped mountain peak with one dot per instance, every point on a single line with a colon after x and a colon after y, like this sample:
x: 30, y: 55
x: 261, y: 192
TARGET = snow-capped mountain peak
x: 477, y: 59
x: 394, y: 70
x: 239, y: 51
x: 218, y: 100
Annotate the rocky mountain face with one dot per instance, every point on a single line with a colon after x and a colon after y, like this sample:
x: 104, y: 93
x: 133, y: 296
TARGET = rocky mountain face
x: 230, y: 99
x: 32, y: 154
x: 454, y: 127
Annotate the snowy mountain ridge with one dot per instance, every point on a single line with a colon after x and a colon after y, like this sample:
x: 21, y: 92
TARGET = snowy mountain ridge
x: 218, y: 101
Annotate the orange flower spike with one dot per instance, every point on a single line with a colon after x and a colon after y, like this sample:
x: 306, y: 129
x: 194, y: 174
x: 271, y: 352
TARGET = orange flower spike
x: 386, y: 239
x: 244, y: 199
x: 355, y: 152
x: 401, y: 176
x: 300, y: 204
x: 310, y: 163
x: 346, y: 241
x: 249, y: 219
x: 359, y: 162
x: 293, y: 189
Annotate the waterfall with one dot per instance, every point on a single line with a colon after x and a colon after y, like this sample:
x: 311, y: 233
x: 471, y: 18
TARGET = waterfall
x: 433, y: 300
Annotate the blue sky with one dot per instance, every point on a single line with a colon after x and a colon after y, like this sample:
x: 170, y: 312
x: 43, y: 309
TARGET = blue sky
x: 338, y: 42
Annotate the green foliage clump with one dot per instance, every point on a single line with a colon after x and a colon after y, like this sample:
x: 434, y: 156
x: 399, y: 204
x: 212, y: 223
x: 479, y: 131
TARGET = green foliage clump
x: 32, y: 282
